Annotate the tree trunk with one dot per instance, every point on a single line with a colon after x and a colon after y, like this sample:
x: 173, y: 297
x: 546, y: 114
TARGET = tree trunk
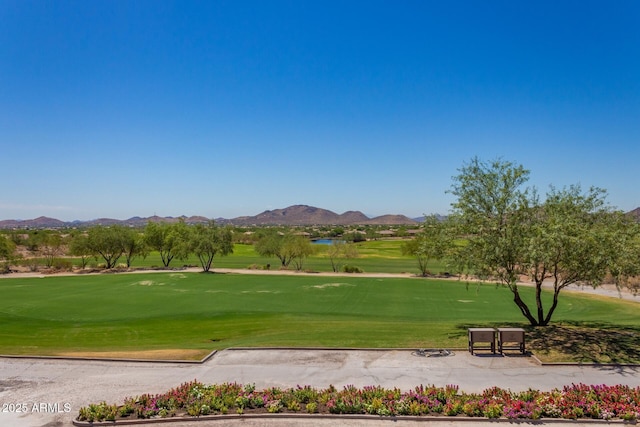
x: 552, y: 308
x: 523, y: 306
x: 539, y: 302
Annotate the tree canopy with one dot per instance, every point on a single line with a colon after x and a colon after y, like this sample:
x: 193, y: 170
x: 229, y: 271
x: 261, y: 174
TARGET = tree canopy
x: 434, y: 242
x: 208, y: 240
x: 170, y: 240
x: 570, y: 237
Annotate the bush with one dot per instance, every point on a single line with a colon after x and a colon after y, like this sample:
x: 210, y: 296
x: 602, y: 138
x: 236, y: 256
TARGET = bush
x: 352, y: 269
x: 62, y: 264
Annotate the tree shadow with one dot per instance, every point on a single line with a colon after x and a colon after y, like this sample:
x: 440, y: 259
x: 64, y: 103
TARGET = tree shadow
x: 578, y: 342
x: 589, y: 342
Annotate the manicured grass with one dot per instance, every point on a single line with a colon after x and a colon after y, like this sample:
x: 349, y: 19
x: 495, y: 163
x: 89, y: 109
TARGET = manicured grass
x: 195, y: 311
x: 376, y: 256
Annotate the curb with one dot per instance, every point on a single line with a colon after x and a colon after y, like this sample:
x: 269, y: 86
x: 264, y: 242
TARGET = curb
x: 346, y: 417
x: 214, y: 352
x: 112, y: 359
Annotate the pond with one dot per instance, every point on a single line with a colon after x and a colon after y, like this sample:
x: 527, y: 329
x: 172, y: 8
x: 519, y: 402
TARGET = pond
x: 326, y: 241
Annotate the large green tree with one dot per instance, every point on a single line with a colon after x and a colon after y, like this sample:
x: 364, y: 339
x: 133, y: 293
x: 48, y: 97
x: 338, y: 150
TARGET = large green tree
x: 570, y: 237
x: 170, y: 240
x: 208, y: 240
x: 106, y: 243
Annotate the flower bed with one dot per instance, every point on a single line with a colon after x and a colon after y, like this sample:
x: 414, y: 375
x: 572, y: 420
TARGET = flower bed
x: 195, y: 399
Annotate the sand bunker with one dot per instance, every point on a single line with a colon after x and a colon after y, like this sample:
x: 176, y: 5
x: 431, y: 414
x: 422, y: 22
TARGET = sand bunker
x: 331, y: 285
x: 147, y: 283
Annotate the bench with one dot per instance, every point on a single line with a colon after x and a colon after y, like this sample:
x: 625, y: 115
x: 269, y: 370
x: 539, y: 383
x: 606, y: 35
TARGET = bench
x: 482, y: 335
x: 514, y: 336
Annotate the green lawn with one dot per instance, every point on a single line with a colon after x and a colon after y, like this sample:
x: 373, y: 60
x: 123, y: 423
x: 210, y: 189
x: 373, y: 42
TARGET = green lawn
x: 379, y: 256
x: 202, y: 312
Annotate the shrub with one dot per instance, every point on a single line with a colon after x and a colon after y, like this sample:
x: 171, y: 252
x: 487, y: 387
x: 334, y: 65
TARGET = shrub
x: 573, y: 402
x: 352, y: 269
x: 62, y: 264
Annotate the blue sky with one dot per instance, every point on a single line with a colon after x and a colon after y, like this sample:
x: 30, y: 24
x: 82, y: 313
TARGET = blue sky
x: 229, y: 108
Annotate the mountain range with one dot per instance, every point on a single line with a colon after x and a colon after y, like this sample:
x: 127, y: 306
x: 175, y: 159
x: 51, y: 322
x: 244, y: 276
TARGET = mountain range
x: 292, y: 215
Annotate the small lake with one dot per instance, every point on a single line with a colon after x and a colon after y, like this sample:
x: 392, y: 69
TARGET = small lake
x: 326, y: 241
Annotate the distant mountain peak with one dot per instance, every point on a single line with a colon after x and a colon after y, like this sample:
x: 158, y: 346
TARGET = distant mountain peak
x: 292, y: 215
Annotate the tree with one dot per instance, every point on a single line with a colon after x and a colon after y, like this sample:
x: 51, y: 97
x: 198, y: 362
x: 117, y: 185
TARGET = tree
x: 207, y: 241
x: 285, y: 247
x: 298, y: 248
x: 79, y: 247
x: 490, y: 199
x: 170, y: 240
x: 433, y: 242
x: 7, y: 251
x: 574, y: 239
x: 569, y: 238
x: 50, y: 246
x: 133, y: 245
x: 338, y: 251
x: 271, y: 243
x: 106, y: 242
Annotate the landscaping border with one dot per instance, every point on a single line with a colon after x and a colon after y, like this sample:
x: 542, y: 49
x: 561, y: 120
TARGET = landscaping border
x: 346, y: 417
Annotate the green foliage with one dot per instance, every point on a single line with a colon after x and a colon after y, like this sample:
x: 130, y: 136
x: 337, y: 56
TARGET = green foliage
x: 340, y: 251
x: 7, y: 248
x: 170, y: 240
x: 79, y: 247
x: 352, y: 269
x: 435, y: 241
x: 107, y: 243
x: 98, y: 412
x: 570, y: 237
x: 287, y: 248
x: 577, y: 401
x: 207, y: 241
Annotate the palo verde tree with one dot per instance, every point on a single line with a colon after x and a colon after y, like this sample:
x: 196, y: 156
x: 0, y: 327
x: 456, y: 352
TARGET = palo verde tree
x: 574, y: 238
x: 570, y: 237
x: 271, y: 243
x: 133, y: 245
x: 170, y: 240
x: 286, y: 247
x: 106, y: 242
x: 7, y: 251
x: 208, y: 240
x: 299, y: 248
x: 79, y: 247
x: 339, y: 251
x: 433, y: 242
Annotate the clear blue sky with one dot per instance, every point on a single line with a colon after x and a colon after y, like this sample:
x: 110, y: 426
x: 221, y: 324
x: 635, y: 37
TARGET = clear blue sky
x: 228, y: 108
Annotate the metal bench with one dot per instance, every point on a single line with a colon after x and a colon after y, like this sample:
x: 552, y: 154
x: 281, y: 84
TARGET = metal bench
x: 514, y: 336
x: 482, y: 335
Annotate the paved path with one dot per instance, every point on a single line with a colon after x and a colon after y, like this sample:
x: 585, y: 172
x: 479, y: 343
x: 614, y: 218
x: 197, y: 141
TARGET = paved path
x: 52, y: 391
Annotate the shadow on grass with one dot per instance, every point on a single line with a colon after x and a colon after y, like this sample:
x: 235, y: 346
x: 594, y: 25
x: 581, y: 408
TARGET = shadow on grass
x: 578, y: 342
x: 589, y: 342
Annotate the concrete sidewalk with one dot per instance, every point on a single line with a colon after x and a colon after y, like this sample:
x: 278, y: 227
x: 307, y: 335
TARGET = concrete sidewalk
x: 50, y: 392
